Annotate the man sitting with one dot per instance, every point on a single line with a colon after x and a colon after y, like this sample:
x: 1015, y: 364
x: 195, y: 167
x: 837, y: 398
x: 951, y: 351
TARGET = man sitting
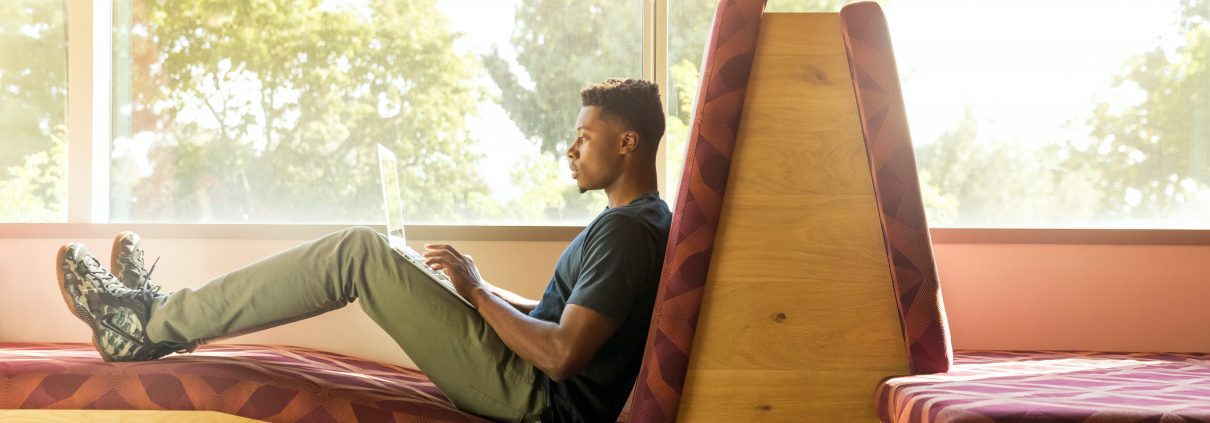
x: 573, y: 356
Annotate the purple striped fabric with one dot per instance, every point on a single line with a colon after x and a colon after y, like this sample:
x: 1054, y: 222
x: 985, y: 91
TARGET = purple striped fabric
x: 276, y: 384
x: 726, y: 65
x: 893, y: 165
x: 1054, y: 386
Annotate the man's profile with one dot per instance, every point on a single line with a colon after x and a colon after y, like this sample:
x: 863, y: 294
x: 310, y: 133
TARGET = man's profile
x: 571, y: 356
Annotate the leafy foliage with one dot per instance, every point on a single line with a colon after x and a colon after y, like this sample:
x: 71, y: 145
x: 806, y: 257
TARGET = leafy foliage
x: 33, y: 111
x: 268, y: 110
x: 1158, y: 148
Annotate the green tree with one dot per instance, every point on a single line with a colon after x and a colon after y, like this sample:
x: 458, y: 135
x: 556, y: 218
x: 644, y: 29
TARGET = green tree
x: 33, y: 110
x: 268, y: 110
x: 969, y: 178
x: 1158, y: 148
x: 561, y: 46
x: 35, y: 189
x: 587, y: 41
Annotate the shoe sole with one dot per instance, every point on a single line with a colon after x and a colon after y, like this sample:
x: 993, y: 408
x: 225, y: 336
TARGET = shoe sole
x: 71, y: 303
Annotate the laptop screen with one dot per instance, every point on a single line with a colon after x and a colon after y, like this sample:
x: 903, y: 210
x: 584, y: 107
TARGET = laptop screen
x: 390, y: 194
x: 389, y: 172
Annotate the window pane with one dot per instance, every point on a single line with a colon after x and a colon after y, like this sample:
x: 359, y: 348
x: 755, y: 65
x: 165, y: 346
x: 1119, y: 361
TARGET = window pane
x: 234, y: 111
x: 33, y: 110
x: 1089, y: 114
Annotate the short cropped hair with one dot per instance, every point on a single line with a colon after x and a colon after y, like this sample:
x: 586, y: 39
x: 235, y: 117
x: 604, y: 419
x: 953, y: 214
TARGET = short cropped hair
x: 634, y: 102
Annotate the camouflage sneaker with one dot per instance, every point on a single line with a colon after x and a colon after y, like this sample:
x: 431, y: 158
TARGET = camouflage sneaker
x: 126, y: 261
x: 117, y: 315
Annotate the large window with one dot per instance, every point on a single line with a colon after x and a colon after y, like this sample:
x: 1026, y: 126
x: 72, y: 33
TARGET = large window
x: 33, y: 111
x: 1079, y: 113
x: 1027, y: 113
x: 236, y: 111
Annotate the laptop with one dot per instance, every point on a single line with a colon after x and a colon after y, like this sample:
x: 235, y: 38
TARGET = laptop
x: 387, y: 168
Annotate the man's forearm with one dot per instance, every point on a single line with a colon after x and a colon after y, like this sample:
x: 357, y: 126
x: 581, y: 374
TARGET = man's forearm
x: 534, y: 340
x: 522, y: 304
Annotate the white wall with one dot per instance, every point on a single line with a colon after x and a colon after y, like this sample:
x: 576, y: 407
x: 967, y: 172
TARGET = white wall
x: 32, y: 308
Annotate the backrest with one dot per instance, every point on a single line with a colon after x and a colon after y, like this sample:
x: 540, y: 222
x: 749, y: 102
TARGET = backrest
x: 716, y: 119
x: 798, y: 318
x: 900, y: 209
x: 799, y: 253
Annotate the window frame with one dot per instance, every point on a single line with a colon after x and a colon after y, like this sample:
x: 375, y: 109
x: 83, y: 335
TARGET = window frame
x: 90, y: 23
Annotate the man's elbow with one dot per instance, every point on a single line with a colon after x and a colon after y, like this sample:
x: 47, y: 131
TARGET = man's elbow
x: 564, y: 367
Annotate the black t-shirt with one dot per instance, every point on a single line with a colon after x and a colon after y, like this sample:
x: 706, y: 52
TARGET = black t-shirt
x: 612, y: 267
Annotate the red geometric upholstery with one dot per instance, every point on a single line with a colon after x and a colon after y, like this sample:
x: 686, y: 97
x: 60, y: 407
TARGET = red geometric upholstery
x: 1052, y: 386
x: 726, y: 65
x: 897, y: 188
x: 277, y: 384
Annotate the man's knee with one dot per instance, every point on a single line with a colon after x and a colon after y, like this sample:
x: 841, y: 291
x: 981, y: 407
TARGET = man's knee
x: 363, y: 236
x: 360, y: 232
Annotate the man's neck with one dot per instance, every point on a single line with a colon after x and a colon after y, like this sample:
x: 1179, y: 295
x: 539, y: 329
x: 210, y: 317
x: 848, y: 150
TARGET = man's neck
x: 631, y: 186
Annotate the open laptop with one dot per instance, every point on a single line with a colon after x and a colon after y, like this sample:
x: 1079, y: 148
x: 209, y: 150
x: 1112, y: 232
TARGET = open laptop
x: 394, y: 209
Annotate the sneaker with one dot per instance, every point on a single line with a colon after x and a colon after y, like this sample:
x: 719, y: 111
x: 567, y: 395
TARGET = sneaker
x: 126, y: 261
x: 116, y: 314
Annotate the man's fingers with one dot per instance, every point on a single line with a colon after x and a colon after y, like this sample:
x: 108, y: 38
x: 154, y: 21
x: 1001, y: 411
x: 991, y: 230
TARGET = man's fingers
x: 436, y: 263
x: 431, y: 249
x: 444, y: 257
x: 443, y: 247
x: 436, y: 252
x: 440, y: 260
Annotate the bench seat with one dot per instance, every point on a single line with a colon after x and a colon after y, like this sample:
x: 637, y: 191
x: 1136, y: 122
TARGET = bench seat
x: 1054, y: 386
x: 278, y: 384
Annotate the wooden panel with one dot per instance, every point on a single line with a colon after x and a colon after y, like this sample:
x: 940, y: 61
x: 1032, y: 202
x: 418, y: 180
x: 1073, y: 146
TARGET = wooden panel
x: 808, y: 237
x: 811, y: 33
x: 785, y: 327
x: 799, y: 320
x: 781, y: 396
x: 804, y: 128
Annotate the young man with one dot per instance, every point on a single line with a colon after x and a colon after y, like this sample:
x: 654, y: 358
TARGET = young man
x: 573, y: 356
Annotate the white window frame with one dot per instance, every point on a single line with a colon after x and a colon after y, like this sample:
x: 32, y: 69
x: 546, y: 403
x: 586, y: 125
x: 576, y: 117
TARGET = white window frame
x: 90, y: 22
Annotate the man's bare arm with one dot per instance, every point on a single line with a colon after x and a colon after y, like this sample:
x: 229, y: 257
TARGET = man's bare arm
x: 561, y: 350
x: 522, y: 304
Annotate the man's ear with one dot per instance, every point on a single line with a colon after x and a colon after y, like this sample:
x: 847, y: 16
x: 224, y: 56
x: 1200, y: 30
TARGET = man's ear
x: 630, y: 142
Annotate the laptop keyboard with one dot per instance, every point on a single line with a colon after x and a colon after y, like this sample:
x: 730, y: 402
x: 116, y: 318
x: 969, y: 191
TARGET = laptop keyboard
x: 418, y: 260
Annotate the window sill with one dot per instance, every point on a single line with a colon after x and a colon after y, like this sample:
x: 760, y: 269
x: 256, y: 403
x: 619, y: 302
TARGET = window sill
x: 1100, y: 236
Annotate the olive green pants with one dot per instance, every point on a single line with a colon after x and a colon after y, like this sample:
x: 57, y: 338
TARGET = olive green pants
x: 449, y: 341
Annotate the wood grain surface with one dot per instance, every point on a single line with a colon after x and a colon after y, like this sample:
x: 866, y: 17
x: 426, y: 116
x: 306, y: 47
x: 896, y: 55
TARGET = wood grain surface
x: 799, y: 320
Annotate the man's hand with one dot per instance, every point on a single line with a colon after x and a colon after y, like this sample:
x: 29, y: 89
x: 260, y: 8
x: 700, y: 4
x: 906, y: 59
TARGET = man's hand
x: 560, y: 349
x: 460, y: 268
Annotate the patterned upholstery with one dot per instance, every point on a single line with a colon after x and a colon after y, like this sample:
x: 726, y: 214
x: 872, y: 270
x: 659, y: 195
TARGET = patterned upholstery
x: 725, y: 69
x: 995, y: 386
x: 897, y: 188
x: 988, y: 386
x: 277, y: 384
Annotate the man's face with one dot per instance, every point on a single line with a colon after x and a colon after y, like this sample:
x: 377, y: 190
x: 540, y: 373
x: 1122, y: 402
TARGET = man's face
x: 596, y: 153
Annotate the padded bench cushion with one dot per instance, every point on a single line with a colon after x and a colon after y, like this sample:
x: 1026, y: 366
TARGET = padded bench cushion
x: 1054, y: 386
x: 282, y: 384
